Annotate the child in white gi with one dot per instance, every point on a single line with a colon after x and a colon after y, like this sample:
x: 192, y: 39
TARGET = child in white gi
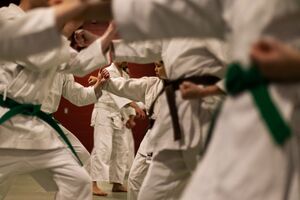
x: 110, y: 152
x: 145, y: 90
x: 27, y: 143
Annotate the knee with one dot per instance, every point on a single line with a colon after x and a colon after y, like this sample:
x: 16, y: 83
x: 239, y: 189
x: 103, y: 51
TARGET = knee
x: 83, y: 179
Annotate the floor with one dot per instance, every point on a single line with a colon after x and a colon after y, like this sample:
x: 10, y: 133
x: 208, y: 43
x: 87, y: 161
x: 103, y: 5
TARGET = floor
x: 25, y: 188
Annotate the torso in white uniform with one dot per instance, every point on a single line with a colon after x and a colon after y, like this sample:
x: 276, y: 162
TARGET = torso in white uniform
x: 32, y: 31
x: 111, y: 105
x: 144, y: 90
x: 182, y: 58
x: 29, y: 80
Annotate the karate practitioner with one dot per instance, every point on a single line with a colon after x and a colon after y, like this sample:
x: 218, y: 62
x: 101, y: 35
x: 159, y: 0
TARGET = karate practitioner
x: 29, y: 144
x: 144, y: 90
x: 41, y: 26
x: 255, y: 161
x: 109, y: 155
x: 173, y: 161
x: 65, y: 85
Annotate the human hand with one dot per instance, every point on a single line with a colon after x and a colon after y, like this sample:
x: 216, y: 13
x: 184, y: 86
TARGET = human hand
x: 140, y: 113
x: 84, y: 38
x: 103, y: 76
x: 276, y: 60
x: 92, y: 80
x: 190, y: 90
x: 130, y: 122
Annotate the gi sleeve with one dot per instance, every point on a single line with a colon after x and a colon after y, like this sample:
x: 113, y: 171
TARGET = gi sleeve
x: 132, y: 88
x: 139, y: 52
x: 34, y: 33
x: 83, y: 62
x: 78, y: 94
x: 168, y: 18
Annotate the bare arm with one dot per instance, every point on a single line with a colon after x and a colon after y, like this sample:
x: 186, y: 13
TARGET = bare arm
x: 276, y: 60
x: 192, y: 91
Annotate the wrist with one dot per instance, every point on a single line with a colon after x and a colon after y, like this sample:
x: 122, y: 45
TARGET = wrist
x: 98, y: 89
x: 210, y: 91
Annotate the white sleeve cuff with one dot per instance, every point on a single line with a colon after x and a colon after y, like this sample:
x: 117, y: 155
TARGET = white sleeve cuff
x: 221, y: 85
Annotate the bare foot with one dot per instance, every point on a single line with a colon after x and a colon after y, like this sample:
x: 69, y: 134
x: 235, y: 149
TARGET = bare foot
x: 97, y: 191
x: 117, y: 187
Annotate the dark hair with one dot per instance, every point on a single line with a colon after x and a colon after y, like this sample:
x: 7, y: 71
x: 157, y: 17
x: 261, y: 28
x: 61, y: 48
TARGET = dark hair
x: 73, y: 41
x: 7, y: 2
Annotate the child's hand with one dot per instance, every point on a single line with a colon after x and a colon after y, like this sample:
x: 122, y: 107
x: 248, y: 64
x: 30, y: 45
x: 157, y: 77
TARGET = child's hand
x: 84, y: 38
x: 190, y: 90
x: 92, y: 80
x: 130, y: 123
x: 103, y: 74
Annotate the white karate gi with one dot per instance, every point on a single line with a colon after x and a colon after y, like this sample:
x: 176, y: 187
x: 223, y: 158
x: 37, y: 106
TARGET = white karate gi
x: 29, y: 144
x: 144, y: 90
x: 110, y: 152
x: 173, y: 161
x: 33, y: 33
x: 129, y: 140
x: 65, y: 85
x: 242, y: 162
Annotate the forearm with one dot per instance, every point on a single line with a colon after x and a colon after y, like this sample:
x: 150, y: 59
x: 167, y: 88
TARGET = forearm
x: 134, y: 105
x: 211, y: 91
x: 106, y: 40
x: 142, y: 52
x: 98, y: 90
x: 158, y: 19
x: 101, y: 10
x: 67, y: 11
x: 79, y: 95
x: 131, y: 89
x: 85, y: 61
x: 289, y: 71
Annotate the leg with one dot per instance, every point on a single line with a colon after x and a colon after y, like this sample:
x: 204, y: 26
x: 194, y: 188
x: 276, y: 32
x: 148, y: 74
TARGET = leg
x: 118, y: 162
x: 166, y: 178
x: 82, y: 152
x: 100, y: 157
x: 44, y: 177
x: 97, y: 190
x: 72, y: 180
x: 130, y: 144
x: 138, y: 170
x: 10, y: 166
x: 136, y: 177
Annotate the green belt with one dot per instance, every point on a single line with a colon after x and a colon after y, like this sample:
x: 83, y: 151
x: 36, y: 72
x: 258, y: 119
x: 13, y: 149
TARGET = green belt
x: 239, y: 80
x: 33, y: 110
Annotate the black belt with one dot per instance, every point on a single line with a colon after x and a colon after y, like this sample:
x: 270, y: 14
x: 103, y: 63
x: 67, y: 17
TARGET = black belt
x: 151, y: 123
x: 170, y: 87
